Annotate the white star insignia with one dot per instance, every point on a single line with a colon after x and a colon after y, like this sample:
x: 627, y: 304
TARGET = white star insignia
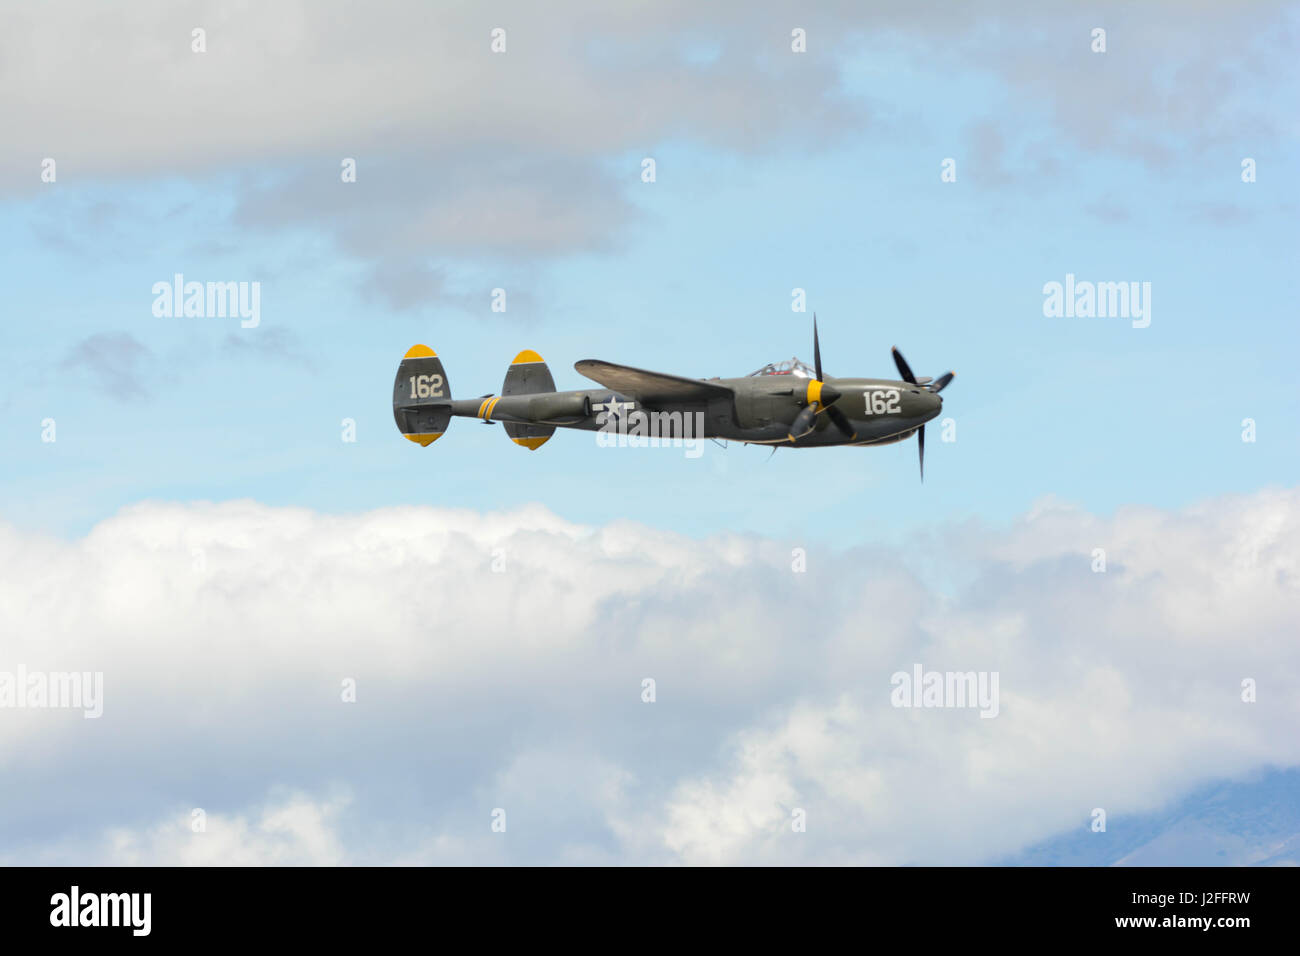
x: 613, y: 406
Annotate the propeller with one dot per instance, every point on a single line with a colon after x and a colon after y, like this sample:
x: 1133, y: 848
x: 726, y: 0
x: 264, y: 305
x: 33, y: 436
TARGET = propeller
x: 936, y: 386
x: 920, y: 447
x: 803, y: 422
x: 904, y: 370
x: 841, y: 421
x: 817, y: 350
x: 821, y: 398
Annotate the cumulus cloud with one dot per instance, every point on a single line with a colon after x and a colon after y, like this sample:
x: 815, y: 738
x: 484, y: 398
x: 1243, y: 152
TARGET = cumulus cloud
x: 499, y: 662
x: 289, y: 829
x: 459, y: 151
x: 585, y: 79
x: 576, y: 79
x: 463, y: 153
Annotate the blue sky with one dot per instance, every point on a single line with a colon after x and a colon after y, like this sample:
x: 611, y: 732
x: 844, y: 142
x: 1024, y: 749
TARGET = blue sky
x: 774, y: 171
x: 697, y: 281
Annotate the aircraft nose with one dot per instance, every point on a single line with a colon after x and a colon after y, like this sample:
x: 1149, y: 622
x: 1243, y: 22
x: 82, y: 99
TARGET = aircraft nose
x: 830, y: 395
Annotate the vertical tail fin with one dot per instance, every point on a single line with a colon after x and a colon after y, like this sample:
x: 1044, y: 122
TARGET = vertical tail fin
x: 528, y: 375
x: 421, y: 396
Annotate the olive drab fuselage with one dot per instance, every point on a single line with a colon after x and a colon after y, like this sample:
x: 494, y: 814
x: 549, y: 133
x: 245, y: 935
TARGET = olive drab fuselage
x: 761, y: 412
x: 786, y: 405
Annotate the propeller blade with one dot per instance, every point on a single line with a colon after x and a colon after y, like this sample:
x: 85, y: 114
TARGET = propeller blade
x: 942, y: 382
x: 817, y: 352
x: 803, y: 422
x: 841, y: 421
x: 920, y: 447
x: 904, y: 369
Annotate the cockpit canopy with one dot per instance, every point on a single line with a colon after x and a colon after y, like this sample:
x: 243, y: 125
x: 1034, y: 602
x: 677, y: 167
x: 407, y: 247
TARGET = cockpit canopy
x: 789, y: 367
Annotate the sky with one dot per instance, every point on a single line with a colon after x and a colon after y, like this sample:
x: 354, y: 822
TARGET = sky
x: 201, y: 502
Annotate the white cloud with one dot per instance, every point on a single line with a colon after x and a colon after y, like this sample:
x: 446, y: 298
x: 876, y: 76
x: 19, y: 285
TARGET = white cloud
x: 464, y: 154
x: 294, y: 831
x: 290, y: 829
x: 460, y: 152
x: 125, y: 93
x: 224, y: 632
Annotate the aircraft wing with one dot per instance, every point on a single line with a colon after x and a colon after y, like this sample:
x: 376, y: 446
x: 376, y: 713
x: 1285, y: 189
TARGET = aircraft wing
x: 651, y: 387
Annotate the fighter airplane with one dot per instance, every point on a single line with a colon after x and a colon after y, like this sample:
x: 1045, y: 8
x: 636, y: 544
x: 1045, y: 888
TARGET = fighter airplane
x: 786, y: 405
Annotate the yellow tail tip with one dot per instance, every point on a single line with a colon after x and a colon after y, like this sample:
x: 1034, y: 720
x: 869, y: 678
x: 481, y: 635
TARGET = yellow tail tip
x: 424, y: 438
x: 532, y: 443
x: 526, y: 356
x: 421, y: 351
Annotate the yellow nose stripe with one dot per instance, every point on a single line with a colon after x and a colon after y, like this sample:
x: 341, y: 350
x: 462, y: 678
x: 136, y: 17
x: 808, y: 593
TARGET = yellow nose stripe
x: 814, y: 391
